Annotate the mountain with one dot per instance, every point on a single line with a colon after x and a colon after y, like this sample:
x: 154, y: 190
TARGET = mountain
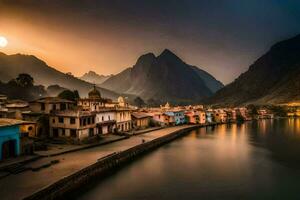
x: 273, y: 78
x: 54, y: 90
x: 166, y: 78
x: 119, y: 82
x: 93, y: 77
x: 211, y: 82
x: 12, y: 65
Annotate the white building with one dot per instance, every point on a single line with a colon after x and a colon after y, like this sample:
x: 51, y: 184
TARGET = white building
x: 106, y: 121
x: 123, y: 119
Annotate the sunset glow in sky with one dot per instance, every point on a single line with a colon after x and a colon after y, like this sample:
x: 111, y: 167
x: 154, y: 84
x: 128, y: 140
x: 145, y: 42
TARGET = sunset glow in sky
x: 219, y: 36
x: 3, y: 41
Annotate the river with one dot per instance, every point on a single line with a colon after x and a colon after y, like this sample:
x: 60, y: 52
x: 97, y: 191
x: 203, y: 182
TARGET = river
x: 254, y: 160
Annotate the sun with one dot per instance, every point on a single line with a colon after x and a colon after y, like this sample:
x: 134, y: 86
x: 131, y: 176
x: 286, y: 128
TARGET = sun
x: 3, y: 41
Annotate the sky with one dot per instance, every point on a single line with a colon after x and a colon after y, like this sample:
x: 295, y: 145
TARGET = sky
x: 222, y: 37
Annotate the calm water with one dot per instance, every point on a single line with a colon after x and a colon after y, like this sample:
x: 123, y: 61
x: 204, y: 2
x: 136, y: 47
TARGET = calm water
x: 255, y: 160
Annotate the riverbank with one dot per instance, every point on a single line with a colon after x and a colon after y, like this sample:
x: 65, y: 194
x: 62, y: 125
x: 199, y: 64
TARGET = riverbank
x: 21, y: 185
x: 103, y: 166
x: 253, y: 160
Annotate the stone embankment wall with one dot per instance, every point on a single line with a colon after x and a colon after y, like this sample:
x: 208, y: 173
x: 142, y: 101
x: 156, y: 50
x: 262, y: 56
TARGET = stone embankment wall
x: 102, y: 166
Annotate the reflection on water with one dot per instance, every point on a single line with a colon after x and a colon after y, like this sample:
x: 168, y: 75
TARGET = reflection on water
x: 255, y: 160
x: 280, y: 137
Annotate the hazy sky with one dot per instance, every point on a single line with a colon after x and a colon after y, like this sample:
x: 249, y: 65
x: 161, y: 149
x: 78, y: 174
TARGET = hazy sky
x: 221, y: 37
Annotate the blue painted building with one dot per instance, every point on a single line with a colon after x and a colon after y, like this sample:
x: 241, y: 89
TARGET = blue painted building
x: 9, y: 138
x: 209, y: 116
x: 179, y: 117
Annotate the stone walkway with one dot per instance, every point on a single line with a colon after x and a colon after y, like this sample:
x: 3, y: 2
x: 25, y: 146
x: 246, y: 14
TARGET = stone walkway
x: 146, y: 130
x: 51, y: 169
x: 57, y: 149
x: 18, y: 160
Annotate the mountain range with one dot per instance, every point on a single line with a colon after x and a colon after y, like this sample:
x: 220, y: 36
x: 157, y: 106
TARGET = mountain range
x: 165, y: 78
x: 272, y: 79
x: 95, y: 78
x: 12, y: 65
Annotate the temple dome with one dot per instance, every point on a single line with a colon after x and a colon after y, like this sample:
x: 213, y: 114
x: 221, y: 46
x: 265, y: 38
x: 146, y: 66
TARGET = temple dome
x: 121, y: 100
x: 94, y: 93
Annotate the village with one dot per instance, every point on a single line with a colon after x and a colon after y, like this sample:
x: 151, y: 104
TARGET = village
x: 27, y: 127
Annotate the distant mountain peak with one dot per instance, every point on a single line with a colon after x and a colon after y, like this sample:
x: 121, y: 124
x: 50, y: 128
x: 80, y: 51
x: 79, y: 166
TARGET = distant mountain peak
x: 95, y: 78
x: 168, y: 53
x: 164, y: 78
x: 171, y: 58
x: 2, y: 54
x: 91, y: 72
x: 148, y: 57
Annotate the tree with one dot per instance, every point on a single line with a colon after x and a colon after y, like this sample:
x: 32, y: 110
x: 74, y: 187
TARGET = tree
x: 240, y: 118
x: 69, y: 95
x: 12, y: 83
x: 39, y: 90
x: 139, y: 102
x: 253, y: 109
x: 25, y: 80
x: 22, y: 88
x: 76, y: 93
x: 278, y: 110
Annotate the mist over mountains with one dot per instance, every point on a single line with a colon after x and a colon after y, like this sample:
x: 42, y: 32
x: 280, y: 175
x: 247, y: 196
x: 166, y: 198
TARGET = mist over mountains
x: 164, y: 78
x: 274, y: 78
x: 13, y: 65
x: 95, y: 78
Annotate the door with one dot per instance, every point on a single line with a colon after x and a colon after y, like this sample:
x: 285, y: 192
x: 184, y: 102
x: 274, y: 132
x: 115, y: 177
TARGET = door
x: 8, y: 149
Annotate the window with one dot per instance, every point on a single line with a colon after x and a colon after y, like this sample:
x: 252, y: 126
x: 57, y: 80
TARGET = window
x: 30, y: 128
x: 108, y: 117
x: 102, y: 118
x: 93, y: 120
x: 84, y: 121
x: 63, y: 106
x: 61, y: 120
x: 53, y: 120
x: 55, y: 132
x: 42, y: 106
x: 63, y: 132
x: 88, y: 120
x: 54, y: 107
x: 91, y: 132
x: 72, y: 120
